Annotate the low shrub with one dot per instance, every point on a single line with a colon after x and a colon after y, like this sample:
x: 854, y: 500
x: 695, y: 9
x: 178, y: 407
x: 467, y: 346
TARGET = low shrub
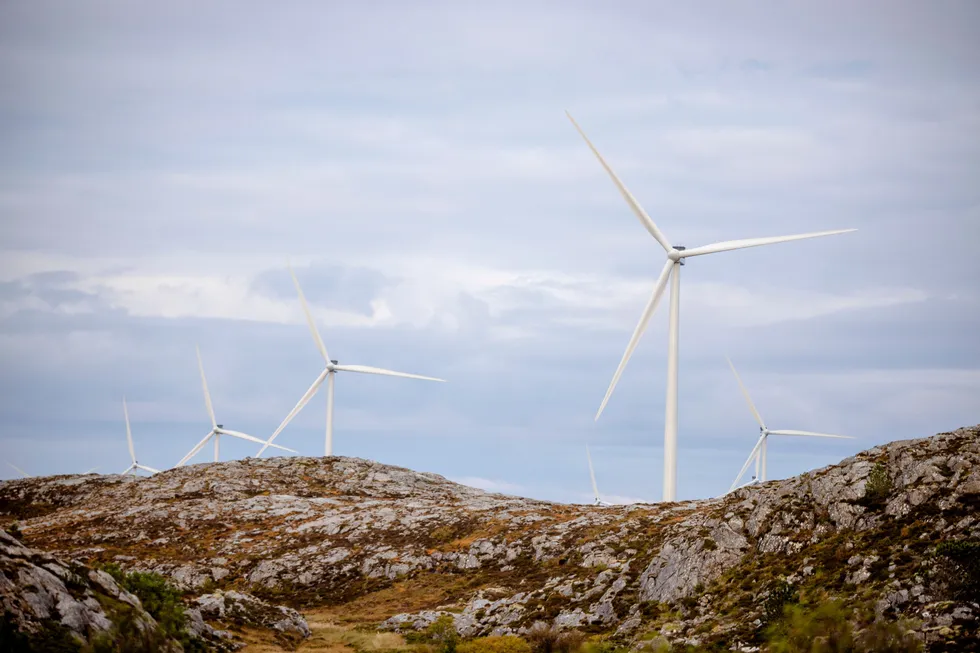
x: 956, y: 574
x: 443, y: 634
x: 826, y: 628
x: 548, y: 639
x: 781, y: 594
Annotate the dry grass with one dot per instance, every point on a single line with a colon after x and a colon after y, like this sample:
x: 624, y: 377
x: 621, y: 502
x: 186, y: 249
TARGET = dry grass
x: 425, y: 591
x: 327, y: 637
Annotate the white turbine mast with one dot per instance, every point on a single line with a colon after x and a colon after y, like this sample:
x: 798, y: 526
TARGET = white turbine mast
x: 759, y: 451
x: 132, y: 451
x: 217, y: 430
x: 328, y: 373
x: 595, y: 486
x: 676, y: 255
x: 20, y: 471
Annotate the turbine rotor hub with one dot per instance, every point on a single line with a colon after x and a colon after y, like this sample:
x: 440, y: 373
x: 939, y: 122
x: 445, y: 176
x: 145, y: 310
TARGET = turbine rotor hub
x: 675, y: 254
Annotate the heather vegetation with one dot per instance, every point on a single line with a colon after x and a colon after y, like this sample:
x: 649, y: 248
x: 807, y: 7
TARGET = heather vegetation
x: 851, y: 557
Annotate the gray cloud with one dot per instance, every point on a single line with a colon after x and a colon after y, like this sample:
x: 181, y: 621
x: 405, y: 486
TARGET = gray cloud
x: 160, y: 164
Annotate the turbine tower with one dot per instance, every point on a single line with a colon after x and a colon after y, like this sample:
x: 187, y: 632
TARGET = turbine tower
x: 330, y: 369
x: 759, y: 451
x: 676, y: 255
x: 217, y: 430
x: 595, y: 486
x: 132, y: 451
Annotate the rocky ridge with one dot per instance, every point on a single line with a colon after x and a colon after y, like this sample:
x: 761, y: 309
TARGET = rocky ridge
x: 332, y: 531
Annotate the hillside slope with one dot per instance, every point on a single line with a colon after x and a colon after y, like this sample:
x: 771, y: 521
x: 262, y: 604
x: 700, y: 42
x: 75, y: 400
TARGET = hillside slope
x: 397, y: 548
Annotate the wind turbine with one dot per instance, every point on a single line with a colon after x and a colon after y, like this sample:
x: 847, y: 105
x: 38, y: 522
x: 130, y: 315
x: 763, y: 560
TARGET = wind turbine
x: 671, y: 271
x: 759, y: 451
x: 595, y: 486
x: 328, y: 373
x: 132, y: 451
x: 20, y: 471
x: 217, y: 430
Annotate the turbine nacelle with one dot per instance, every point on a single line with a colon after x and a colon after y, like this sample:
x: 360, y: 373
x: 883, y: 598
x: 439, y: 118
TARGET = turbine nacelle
x: 675, y: 254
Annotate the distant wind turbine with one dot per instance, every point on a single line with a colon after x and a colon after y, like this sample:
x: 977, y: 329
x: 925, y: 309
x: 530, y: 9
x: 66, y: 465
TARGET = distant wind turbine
x: 20, y: 471
x: 759, y: 451
x: 331, y: 368
x: 595, y: 486
x: 671, y: 270
x: 132, y: 451
x: 217, y: 430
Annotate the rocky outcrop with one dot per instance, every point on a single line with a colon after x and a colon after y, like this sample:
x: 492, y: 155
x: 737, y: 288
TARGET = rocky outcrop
x: 328, y: 531
x: 49, y: 604
x: 244, y: 609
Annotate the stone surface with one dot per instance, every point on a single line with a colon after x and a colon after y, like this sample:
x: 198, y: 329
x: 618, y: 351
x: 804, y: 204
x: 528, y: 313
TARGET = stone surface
x: 325, y: 531
x: 43, y: 596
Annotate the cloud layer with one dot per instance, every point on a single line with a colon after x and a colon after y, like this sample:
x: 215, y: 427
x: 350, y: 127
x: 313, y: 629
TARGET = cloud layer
x: 162, y: 163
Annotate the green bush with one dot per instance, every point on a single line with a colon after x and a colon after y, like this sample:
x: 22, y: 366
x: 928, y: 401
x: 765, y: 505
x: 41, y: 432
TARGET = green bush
x: 161, y: 600
x: 443, y: 634
x: 878, y: 487
x: 957, y: 570
x: 781, y: 594
x: 827, y: 629
x: 548, y: 639
x: 14, y: 531
x: 824, y: 629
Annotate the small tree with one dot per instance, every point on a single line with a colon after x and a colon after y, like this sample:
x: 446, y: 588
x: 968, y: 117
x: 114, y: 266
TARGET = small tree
x: 878, y: 487
x: 781, y: 594
x: 957, y: 570
x: 443, y: 633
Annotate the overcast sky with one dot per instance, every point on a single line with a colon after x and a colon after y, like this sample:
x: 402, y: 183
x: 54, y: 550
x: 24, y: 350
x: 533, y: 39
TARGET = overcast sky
x: 160, y: 162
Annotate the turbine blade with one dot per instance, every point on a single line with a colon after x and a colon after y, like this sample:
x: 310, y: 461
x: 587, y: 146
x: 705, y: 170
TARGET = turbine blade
x: 595, y: 486
x: 811, y: 433
x: 92, y: 470
x: 658, y: 291
x: 755, y: 242
x: 745, y: 392
x: 645, y: 219
x: 129, y: 432
x: 251, y: 438
x: 309, y: 318
x: 128, y: 469
x: 204, y: 384
x: 19, y: 470
x: 748, y: 461
x: 364, y: 369
x: 148, y: 469
x: 197, y: 447
x: 295, y: 411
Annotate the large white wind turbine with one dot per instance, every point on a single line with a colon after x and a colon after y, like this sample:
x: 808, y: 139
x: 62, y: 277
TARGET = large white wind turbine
x: 759, y: 451
x: 132, y: 451
x: 671, y: 271
x: 331, y: 368
x: 595, y: 486
x: 217, y: 430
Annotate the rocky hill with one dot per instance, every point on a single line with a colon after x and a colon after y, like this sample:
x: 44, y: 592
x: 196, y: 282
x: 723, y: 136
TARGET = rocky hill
x: 395, y: 549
